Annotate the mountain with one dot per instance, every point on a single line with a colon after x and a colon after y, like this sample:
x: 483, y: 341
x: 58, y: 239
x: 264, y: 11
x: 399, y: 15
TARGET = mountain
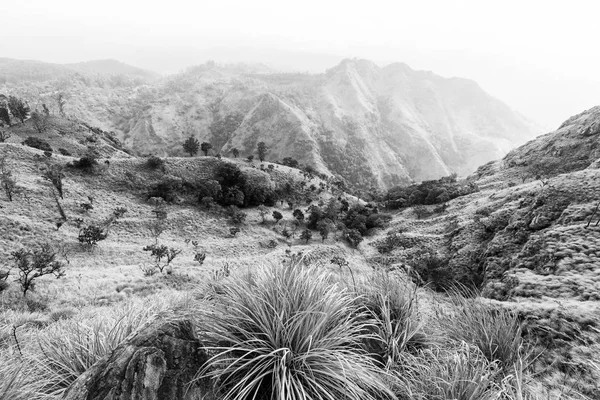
x: 111, y: 67
x: 29, y: 72
x: 522, y: 231
x: 373, y: 126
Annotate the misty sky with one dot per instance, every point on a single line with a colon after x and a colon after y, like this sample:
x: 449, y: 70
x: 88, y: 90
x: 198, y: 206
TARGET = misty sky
x: 541, y: 57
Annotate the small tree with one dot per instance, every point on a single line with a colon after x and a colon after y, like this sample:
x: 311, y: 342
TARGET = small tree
x: 277, y: 216
x: 234, y: 230
x: 299, y: 215
x: 40, y: 121
x: 90, y: 235
x: 306, y: 235
x: 262, y: 151
x: 18, y: 108
x: 55, y: 175
x: 323, y: 227
x: 8, y: 182
x: 263, y: 211
x: 250, y: 158
x: 354, y: 237
x: 420, y: 211
x: 61, y: 101
x: 205, y: 147
x: 163, y: 256
x: 31, y: 264
x: 235, y: 152
x: 191, y: 146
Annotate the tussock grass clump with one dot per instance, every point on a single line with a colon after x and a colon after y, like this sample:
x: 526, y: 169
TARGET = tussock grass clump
x: 398, y: 327
x: 495, y: 331
x: 291, y: 333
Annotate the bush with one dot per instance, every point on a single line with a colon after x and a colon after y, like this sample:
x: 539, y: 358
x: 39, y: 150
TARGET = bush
x: 306, y: 235
x: 292, y: 330
x: 353, y: 237
x: 90, y: 235
x: 237, y: 217
x: 229, y: 175
x: 165, y: 189
x: 277, y: 216
x: 428, y: 192
x: 290, y: 162
x: 64, y: 152
x: 154, y: 162
x: 85, y: 163
x: 37, y: 143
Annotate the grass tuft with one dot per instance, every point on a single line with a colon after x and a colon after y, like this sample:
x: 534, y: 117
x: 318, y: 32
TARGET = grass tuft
x: 291, y: 333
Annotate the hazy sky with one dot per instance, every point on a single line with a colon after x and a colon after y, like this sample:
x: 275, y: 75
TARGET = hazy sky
x: 541, y: 57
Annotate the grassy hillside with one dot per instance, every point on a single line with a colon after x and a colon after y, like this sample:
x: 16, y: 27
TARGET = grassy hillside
x: 389, y: 320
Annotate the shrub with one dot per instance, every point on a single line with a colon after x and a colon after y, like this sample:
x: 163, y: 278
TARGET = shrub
x: 290, y: 333
x: 229, y: 175
x: 353, y: 237
x: 277, y: 216
x: 298, y: 215
x: 154, y: 162
x: 165, y: 189
x: 64, y: 152
x: 85, y: 163
x: 290, y: 162
x: 37, y: 143
x: 263, y: 211
x: 421, y: 211
x: 234, y: 230
x: 306, y: 235
x: 34, y: 263
x: 433, y: 268
x: 90, y: 235
x: 237, y: 216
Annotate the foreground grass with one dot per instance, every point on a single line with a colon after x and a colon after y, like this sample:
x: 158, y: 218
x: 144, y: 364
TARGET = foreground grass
x: 297, y: 331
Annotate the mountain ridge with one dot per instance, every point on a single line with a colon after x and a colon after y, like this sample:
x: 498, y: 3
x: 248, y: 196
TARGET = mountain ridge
x: 372, y: 126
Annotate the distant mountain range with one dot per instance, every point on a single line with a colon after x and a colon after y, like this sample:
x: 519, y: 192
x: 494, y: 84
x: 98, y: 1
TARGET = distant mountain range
x: 374, y: 126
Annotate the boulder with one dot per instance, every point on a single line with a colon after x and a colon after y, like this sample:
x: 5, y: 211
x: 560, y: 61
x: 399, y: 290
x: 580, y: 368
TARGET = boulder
x: 157, y: 363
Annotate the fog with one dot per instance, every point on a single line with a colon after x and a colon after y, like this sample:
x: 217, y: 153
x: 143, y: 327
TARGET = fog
x: 538, y: 56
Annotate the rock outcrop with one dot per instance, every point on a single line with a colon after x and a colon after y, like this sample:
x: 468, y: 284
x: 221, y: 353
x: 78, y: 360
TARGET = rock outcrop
x: 157, y: 363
